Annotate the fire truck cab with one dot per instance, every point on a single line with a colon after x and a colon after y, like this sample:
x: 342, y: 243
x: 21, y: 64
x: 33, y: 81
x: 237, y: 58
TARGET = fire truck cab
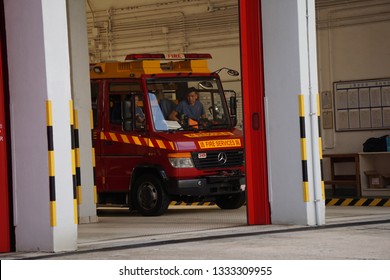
x: 148, y: 151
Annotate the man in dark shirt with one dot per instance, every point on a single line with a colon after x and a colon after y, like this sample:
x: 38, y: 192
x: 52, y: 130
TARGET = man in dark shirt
x: 190, y: 107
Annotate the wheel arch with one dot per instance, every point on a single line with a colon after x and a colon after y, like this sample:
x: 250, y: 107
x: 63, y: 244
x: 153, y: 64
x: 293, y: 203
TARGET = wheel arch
x: 156, y: 170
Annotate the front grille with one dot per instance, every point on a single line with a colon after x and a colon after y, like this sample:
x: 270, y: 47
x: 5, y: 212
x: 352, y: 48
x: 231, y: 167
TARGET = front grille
x: 216, y: 159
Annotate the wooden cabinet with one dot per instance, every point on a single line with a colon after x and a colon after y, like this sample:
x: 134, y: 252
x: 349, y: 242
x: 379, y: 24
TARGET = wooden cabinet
x: 337, y: 178
x: 369, y: 173
x: 376, y: 165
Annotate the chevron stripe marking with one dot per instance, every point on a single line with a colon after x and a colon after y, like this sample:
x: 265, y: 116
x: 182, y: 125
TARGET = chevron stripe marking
x: 361, y: 202
x: 113, y: 136
x: 136, y: 140
x: 161, y: 144
x: 149, y: 142
x: 124, y: 138
x: 375, y: 202
x: 346, y: 202
x: 365, y: 202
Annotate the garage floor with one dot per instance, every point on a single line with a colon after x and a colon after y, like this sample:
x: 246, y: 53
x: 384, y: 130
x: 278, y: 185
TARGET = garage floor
x: 118, y: 223
x: 131, y: 236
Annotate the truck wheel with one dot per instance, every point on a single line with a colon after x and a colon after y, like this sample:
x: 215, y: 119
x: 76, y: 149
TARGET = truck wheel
x: 149, y: 196
x: 231, y: 201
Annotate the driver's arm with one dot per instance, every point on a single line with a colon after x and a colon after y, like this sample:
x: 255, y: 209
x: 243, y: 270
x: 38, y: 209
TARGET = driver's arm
x: 203, y: 113
x: 173, y: 116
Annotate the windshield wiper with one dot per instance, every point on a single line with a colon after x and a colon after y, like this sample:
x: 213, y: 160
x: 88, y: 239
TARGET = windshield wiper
x: 220, y: 125
x: 183, y: 128
x: 210, y: 126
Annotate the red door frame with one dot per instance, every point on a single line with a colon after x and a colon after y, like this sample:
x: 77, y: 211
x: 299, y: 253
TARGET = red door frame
x: 258, y: 209
x: 4, y: 197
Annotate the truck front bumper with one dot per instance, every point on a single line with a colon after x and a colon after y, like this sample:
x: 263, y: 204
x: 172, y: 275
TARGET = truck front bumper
x: 207, y: 186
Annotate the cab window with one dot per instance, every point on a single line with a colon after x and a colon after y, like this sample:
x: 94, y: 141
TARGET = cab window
x: 126, y: 110
x: 94, y: 103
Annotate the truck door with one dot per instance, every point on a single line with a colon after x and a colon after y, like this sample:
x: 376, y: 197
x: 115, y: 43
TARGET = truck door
x: 125, y: 136
x: 97, y: 113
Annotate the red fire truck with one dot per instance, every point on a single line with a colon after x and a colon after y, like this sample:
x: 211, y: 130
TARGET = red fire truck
x: 148, y: 156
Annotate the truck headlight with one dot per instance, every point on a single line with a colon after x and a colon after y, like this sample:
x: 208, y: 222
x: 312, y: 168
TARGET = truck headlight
x: 181, y: 160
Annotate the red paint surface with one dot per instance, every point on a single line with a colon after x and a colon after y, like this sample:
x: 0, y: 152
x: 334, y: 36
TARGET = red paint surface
x: 4, y: 197
x: 258, y: 210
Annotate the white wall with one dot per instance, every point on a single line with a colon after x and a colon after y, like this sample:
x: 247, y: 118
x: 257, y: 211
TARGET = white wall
x: 353, y: 44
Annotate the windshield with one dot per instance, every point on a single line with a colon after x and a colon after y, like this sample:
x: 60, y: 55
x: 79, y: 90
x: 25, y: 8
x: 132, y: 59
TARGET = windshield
x: 188, y: 103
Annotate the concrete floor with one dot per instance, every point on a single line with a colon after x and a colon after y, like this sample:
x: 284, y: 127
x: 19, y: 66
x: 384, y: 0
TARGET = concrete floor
x: 206, y: 232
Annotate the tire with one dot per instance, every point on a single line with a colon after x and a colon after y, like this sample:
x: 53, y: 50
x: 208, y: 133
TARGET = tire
x: 149, y: 197
x: 231, y: 201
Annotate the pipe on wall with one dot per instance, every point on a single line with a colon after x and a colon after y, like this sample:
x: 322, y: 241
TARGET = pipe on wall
x: 117, y: 32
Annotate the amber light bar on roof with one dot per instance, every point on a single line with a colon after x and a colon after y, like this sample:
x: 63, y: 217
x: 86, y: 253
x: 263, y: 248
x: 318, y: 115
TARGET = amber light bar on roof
x: 170, y: 56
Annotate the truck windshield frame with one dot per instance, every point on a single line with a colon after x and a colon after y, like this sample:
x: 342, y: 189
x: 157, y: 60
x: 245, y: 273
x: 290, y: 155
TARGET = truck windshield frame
x: 166, y: 93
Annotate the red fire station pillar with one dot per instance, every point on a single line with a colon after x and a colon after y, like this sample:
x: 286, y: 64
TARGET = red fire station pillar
x: 4, y: 203
x: 253, y: 89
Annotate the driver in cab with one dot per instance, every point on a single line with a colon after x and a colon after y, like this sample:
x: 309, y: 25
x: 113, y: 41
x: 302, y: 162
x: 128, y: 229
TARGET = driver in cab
x: 190, y: 107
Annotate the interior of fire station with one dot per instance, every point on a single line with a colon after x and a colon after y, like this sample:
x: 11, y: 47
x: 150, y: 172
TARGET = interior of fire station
x: 313, y: 87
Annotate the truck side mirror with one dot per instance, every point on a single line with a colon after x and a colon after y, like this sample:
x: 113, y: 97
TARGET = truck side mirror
x: 206, y: 85
x: 126, y: 115
x: 233, y: 109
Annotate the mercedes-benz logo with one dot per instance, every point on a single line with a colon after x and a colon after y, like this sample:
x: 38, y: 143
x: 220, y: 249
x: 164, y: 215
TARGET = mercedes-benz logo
x: 222, y: 158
